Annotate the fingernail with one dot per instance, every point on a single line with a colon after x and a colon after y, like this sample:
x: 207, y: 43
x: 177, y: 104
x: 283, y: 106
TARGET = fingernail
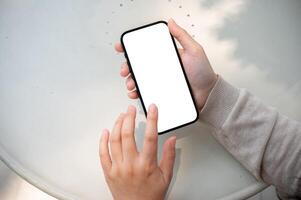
x: 152, y: 108
x: 174, y: 139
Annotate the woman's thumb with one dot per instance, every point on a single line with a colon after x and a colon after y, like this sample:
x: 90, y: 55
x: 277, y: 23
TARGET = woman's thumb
x: 181, y: 35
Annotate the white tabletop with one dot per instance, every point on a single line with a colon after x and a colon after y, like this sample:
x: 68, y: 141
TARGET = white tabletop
x: 60, y: 86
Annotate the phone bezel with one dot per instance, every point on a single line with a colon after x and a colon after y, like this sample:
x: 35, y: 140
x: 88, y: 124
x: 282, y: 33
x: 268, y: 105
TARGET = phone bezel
x: 183, y: 70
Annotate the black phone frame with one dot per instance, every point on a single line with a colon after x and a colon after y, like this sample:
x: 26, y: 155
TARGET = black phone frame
x: 183, y: 70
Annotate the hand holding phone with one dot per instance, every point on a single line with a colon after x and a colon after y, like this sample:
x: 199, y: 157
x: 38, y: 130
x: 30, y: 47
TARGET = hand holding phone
x: 159, y: 75
x: 197, y: 67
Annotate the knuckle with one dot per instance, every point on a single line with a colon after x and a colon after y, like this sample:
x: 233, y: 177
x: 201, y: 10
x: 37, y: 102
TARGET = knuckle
x: 183, y: 32
x: 200, y: 47
x: 171, y: 156
x: 126, y: 134
x: 115, y: 171
x: 111, y: 175
x: 118, y: 121
x: 196, y: 51
x: 128, y: 171
x: 152, y: 118
x: 146, y: 168
x: 150, y: 137
x: 114, y: 140
x: 102, y: 156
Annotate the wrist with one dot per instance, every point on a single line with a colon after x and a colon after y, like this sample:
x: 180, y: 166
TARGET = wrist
x: 219, y: 103
x: 202, y: 95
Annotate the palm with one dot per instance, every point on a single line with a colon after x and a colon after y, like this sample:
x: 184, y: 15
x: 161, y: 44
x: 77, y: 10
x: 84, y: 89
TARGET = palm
x: 198, y: 71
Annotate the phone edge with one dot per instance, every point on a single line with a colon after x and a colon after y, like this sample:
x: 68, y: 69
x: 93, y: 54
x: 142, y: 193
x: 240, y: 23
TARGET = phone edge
x: 183, y: 70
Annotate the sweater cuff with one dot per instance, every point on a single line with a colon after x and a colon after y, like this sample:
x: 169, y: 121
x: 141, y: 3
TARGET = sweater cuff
x: 219, y: 103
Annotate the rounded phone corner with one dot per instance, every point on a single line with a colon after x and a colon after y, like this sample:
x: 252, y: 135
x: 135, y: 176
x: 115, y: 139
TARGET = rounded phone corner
x: 122, y: 37
x: 163, y: 22
x: 196, y: 117
x: 163, y: 132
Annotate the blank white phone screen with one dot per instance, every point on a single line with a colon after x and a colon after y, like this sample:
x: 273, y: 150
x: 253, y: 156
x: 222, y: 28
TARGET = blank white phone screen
x: 159, y: 75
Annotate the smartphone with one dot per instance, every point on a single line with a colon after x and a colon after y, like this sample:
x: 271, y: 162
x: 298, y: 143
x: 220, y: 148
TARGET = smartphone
x: 156, y: 67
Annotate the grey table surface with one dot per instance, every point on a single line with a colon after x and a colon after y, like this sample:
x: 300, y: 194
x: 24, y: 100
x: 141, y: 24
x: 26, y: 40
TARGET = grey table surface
x: 60, y: 85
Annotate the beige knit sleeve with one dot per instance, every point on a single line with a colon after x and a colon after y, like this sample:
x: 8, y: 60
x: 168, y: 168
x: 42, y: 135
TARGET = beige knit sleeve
x: 267, y: 143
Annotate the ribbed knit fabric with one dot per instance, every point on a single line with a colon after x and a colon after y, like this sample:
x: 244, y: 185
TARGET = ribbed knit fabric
x: 267, y: 143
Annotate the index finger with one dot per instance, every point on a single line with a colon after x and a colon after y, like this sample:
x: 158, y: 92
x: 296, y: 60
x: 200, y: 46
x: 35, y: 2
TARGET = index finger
x: 118, y: 47
x: 129, y: 149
